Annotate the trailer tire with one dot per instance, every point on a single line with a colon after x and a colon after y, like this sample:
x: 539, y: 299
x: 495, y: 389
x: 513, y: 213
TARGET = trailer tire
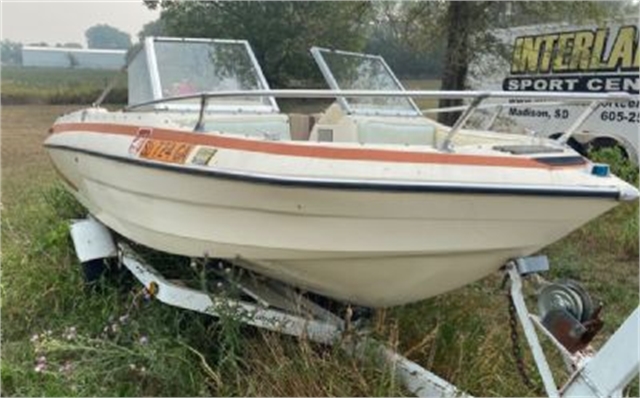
x: 99, y: 273
x: 92, y: 271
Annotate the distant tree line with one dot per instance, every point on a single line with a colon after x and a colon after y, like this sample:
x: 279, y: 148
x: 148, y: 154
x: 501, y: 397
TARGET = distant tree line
x: 100, y: 36
x: 103, y: 36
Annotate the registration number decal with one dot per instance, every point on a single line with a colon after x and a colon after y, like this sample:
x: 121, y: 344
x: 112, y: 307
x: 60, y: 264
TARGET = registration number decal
x: 139, y: 140
x: 165, y: 151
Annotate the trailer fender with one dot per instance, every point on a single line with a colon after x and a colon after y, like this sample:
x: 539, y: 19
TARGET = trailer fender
x: 92, y: 240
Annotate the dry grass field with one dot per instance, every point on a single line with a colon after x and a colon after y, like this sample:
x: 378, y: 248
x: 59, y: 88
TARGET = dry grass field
x: 58, y: 339
x: 24, y: 128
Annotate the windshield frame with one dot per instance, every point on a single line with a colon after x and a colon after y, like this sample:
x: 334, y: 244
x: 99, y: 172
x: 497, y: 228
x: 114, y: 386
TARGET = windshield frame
x: 331, y: 80
x: 156, y: 85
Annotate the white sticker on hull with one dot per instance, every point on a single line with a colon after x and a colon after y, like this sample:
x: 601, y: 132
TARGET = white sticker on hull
x: 203, y: 156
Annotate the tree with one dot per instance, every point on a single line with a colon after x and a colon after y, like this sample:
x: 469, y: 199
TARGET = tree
x: 107, y: 37
x: 467, y: 27
x: 153, y: 28
x: 10, y: 52
x: 280, y: 32
x: 391, y: 37
x: 460, y: 21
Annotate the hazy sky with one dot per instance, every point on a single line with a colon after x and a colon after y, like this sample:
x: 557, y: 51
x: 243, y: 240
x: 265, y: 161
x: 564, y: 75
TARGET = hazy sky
x: 58, y: 21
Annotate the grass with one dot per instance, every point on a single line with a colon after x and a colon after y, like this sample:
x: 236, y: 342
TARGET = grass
x: 34, y: 85
x: 59, y: 339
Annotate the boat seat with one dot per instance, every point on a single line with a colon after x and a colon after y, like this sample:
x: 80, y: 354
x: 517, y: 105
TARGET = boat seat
x: 337, y: 127
x: 395, y: 131
x: 275, y: 126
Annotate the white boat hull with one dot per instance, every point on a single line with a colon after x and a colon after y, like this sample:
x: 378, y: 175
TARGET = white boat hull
x: 376, y: 249
x: 377, y: 205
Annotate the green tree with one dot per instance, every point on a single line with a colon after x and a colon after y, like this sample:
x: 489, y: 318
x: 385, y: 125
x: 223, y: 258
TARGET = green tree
x: 107, y: 37
x: 10, y: 52
x: 153, y: 28
x: 391, y: 37
x: 280, y: 32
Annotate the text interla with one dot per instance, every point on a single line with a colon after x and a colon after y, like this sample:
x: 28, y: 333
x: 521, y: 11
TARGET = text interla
x: 577, y: 51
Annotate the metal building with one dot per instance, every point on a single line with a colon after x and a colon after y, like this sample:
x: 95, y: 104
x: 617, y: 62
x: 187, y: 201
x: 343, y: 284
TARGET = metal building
x: 57, y: 57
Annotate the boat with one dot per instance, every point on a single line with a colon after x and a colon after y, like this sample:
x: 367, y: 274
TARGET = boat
x: 375, y: 204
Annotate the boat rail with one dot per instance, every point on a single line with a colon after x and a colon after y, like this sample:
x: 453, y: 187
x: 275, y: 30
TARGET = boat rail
x: 594, y: 100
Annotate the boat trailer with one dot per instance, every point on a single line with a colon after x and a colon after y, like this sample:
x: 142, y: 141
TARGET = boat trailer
x: 567, y: 318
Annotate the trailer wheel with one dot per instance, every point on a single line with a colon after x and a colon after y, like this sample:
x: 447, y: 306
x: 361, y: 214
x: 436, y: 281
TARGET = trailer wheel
x: 99, y: 273
x: 92, y: 270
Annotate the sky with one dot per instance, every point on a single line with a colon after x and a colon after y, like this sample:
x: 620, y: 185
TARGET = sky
x: 58, y: 21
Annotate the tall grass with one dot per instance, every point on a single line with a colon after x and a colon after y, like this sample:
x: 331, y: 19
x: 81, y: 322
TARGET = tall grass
x: 62, y: 339
x: 619, y: 234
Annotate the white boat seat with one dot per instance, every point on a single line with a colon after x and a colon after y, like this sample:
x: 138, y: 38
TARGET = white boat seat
x: 377, y: 131
x: 273, y: 126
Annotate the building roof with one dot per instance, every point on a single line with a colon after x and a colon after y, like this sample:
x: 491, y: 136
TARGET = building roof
x: 73, y: 50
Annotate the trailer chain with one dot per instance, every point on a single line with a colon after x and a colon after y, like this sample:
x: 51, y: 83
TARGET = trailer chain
x: 516, y: 349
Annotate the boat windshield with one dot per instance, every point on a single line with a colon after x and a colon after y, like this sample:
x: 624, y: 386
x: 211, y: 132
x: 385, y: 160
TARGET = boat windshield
x: 191, y: 66
x: 354, y: 71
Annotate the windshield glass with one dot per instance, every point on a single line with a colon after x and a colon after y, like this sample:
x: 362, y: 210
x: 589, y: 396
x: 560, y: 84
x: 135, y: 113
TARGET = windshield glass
x: 189, y: 67
x: 350, y: 71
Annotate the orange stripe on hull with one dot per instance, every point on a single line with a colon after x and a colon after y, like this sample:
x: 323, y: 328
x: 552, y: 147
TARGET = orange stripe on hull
x: 292, y: 149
